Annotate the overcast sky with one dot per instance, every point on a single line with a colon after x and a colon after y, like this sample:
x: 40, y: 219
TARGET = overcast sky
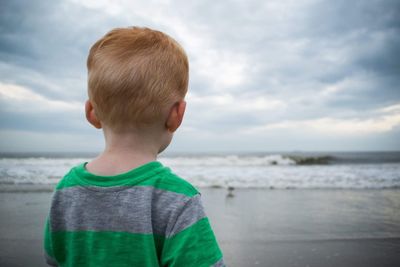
x: 264, y: 75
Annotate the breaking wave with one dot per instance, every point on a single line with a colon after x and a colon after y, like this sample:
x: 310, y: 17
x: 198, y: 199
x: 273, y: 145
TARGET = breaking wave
x: 356, y: 170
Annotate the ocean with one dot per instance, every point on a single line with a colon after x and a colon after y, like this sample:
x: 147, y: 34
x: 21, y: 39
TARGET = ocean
x: 272, y: 170
x: 288, y: 209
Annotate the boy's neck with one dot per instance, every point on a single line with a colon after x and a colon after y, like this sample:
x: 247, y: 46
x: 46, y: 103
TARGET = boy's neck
x: 124, y: 152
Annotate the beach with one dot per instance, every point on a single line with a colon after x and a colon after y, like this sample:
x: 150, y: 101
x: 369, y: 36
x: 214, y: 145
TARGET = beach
x: 254, y: 227
x: 307, y: 227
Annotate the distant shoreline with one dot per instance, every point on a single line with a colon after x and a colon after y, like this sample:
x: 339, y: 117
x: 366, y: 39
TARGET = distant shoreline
x: 19, y: 154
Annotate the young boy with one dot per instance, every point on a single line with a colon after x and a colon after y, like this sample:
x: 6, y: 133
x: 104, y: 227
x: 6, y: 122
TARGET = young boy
x: 124, y: 208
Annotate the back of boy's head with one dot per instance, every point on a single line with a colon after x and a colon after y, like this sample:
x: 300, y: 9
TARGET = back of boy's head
x: 134, y: 74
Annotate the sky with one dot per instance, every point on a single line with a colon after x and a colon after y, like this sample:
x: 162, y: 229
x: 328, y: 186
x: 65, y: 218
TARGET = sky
x: 278, y: 75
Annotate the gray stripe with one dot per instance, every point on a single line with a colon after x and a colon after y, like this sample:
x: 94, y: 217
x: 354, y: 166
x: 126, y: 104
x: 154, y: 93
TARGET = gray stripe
x: 219, y: 263
x: 49, y: 260
x: 191, y: 213
x: 140, y: 209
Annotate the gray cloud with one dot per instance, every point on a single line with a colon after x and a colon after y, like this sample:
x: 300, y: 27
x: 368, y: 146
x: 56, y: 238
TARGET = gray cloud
x: 253, y: 63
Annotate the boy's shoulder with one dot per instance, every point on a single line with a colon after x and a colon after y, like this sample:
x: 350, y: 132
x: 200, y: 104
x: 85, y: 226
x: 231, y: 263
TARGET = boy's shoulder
x: 168, y: 180
x: 66, y: 180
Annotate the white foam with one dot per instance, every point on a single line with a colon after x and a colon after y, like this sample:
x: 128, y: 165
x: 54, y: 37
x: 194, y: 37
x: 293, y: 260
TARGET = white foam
x: 35, y: 170
x: 229, y: 160
x: 271, y: 171
x: 252, y: 172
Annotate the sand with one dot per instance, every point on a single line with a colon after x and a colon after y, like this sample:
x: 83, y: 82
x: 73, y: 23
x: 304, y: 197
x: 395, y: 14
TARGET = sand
x: 255, y: 227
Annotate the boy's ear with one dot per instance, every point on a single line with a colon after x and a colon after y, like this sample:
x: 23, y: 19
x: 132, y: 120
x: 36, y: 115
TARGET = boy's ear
x: 175, y: 116
x: 91, y: 115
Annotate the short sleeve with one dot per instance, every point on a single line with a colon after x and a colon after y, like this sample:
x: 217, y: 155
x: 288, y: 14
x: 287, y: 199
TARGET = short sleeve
x: 191, y: 240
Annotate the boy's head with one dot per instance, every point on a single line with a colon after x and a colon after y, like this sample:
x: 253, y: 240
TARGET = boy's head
x: 135, y: 75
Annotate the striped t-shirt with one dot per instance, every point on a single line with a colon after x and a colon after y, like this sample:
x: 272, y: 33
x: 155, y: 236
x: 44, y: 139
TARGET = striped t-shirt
x: 147, y: 216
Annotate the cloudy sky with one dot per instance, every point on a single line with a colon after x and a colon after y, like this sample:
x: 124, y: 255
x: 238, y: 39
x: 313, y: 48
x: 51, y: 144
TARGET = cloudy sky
x: 272, y: 75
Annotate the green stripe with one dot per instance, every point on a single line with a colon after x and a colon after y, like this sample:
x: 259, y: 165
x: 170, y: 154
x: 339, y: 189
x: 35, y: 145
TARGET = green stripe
x: 149, y: 175
x: 117, y: 249
x: 135, y: 175
x: 154, y: 182
x: 194, y: 246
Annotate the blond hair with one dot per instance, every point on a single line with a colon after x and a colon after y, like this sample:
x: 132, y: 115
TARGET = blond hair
x: 134, y: 73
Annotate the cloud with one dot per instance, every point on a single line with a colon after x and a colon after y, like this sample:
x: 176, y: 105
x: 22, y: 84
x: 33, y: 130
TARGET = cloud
x: 227, y: 111
x: 257, y: 68
x: 26, y: 141
x: 23, y: 109
x: 393, y: 108
x: 346, y: 127
x: 18, y: 98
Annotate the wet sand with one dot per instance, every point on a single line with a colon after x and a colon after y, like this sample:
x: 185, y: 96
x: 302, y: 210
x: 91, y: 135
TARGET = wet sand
x: 255, y: 227
x: 318, y: 228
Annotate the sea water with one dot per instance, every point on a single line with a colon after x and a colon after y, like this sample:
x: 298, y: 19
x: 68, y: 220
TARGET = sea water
x: 272, y: 170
